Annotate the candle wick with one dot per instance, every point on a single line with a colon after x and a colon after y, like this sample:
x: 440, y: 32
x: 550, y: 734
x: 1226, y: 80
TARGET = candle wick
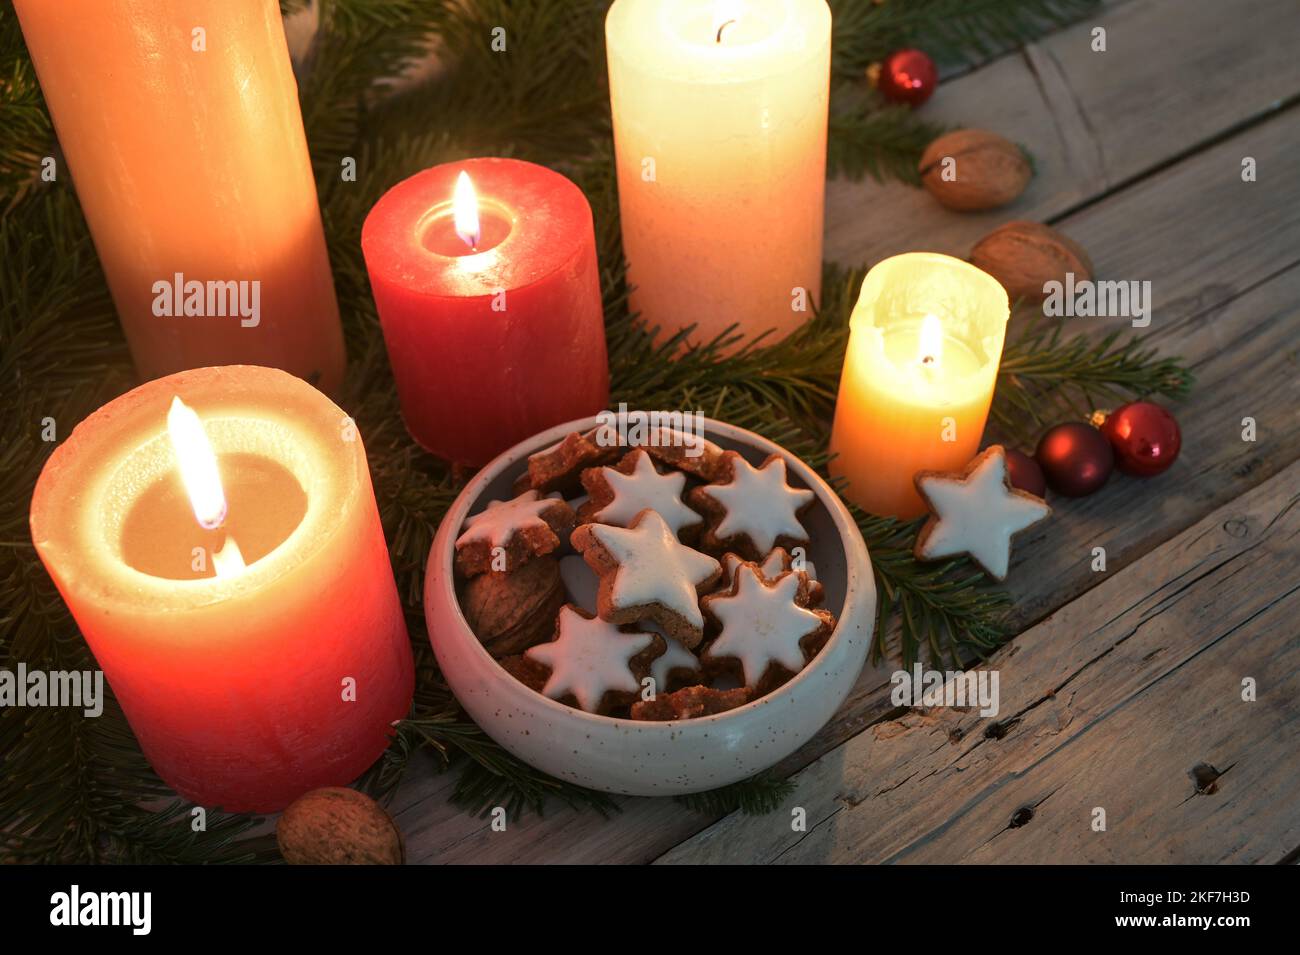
x: 229, y: 561
x: 927, y: 360
x: 723, y: 26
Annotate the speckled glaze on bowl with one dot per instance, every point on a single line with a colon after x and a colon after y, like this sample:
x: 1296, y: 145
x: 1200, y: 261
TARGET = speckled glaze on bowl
x: 669, y: 758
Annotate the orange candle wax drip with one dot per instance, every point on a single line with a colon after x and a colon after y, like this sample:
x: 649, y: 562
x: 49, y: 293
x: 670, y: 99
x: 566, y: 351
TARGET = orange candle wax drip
x: 184, y: 140
x: 924, y: 345
x: 222, y: 554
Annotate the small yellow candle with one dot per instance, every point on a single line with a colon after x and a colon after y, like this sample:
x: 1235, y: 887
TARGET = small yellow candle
x: 720, y: 111
x: 925, y: 340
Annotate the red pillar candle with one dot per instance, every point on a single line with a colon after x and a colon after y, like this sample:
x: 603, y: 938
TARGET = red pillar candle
x: 494, y: 324
x: 223, y: 557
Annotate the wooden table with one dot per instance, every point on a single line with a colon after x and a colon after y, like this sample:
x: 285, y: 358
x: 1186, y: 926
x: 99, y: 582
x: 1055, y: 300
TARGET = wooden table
x: 1124, y: 689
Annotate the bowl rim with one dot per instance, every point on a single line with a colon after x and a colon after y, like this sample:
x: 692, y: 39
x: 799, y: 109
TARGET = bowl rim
x: 473, y: 490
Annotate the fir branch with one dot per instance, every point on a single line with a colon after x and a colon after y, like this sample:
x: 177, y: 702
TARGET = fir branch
x: 951, y: 31
x: 491, y: 777
x: 544, y: 98
x: 360, y: 47
x: 867, y: 137
x: 57, y: 323
x: 784, y: 386
x: 1044, y: 377
x: 946, y: 612
x: 29, y: 135
x: 755, y: 796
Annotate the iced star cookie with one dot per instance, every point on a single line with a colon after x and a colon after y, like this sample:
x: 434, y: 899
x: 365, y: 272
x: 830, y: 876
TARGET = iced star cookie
x: 593, y: 662
x: 558, y: 467
x: 677, y: 667
x: 523, y: 528
x: 776, y: 563
x: 751, y: 510
x: 976, y: 512
x: 764, y: 633
x: 618, y: 494
x: 690, y: 702
x: 646, y: 573
x: 685, y: 451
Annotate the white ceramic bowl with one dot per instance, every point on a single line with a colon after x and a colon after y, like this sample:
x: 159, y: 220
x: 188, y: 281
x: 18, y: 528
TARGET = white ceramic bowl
x: 657, y: 758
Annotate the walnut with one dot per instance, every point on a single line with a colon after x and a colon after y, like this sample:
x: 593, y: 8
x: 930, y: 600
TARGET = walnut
x: 1024, y: 256
x: 986, y: 170
x: 338, y: 826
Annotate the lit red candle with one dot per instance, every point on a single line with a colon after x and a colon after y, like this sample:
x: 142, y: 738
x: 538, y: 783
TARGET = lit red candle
x: 215, y: 535
x: 485, y: 277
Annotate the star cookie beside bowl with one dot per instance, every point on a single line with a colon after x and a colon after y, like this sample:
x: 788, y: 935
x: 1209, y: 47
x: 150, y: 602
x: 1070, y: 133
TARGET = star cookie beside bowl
x: 976, y: 512
x: 652, y: 613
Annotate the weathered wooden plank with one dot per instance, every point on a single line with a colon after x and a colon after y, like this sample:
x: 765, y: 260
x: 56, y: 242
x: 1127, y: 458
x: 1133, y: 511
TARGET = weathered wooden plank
x: 1202, y: 314
x: 1174, y: 75
x: 1110, y: 703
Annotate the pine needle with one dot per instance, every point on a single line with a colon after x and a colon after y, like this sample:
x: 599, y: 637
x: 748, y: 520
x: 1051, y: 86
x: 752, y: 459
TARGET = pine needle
x: 755, y: 796
x: 1044, y: 377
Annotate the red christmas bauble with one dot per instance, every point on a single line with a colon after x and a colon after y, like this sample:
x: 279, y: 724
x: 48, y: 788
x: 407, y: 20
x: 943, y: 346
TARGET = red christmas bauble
x: 1144, y: 436
x: 1076, y: 459
x: 1025, y: 474
x: 907, y: 76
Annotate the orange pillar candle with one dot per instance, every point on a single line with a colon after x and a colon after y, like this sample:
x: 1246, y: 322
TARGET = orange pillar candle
x: 215, y: 535
x: 925, y: 340
x: 188, y: 156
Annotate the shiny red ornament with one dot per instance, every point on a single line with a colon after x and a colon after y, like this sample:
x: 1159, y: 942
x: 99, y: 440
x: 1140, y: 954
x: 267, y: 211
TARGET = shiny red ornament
x: 1025, y: 474
x: 907, y: 76
x: 1145, y: 438
x: 1076, y: 459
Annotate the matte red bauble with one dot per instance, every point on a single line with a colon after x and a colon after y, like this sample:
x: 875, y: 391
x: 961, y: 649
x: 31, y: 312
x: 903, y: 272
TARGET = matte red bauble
x: 1076, y: 459
x: 1144, y: 436
x: 907, y: 76
x: 1025, y: 474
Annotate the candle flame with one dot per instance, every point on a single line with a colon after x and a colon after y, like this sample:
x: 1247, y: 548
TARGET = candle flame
x: 725, y: 13
x: 228, y: 561
x: 198, y: 464
x: 464, y: 205
x: 931, y: 345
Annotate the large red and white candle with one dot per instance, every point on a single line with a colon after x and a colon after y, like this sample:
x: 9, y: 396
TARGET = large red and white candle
x: 485, y: 277
x: 215, y: 536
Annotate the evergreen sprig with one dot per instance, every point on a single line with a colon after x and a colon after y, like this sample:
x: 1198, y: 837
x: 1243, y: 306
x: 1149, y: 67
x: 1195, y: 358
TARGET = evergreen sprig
x: 755, y: 796
x: 1045, y: 376
x: 29, y: 135
x: 73, y: 789
x: 947, y: 611
x: 950, y: 31
x: 868, y: 137
x: 491, y: 777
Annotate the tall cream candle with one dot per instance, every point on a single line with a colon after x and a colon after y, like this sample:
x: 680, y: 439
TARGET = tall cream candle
x: 181, y: 129
x: 720, y: 111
